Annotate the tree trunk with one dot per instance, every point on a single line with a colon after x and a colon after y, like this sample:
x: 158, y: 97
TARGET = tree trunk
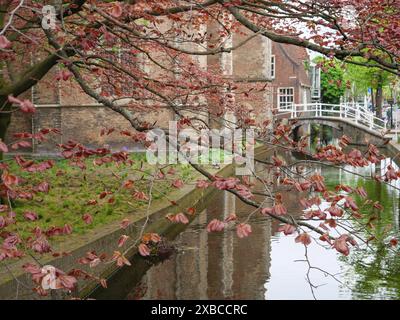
x: 5, y: 119
x: 379, y: 100
x: 379, y: 95
x: 373, y: 100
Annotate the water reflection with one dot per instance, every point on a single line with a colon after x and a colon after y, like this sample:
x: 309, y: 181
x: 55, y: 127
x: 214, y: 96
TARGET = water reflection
x: 216, y: 265
x: 268, y: 265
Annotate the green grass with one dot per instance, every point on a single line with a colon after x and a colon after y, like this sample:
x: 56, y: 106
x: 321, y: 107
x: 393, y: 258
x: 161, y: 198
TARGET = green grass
x: 72, y: 188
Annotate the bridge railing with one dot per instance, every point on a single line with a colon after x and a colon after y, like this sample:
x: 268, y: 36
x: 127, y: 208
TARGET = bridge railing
x: 349, y: 111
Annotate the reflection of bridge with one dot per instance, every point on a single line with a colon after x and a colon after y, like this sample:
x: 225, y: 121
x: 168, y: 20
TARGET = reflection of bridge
x: 357, y: 114
x: 352, y: 120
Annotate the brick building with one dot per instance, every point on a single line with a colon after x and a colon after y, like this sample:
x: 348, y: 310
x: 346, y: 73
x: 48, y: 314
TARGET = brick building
x: 291, y: 80
x: 80, y: 118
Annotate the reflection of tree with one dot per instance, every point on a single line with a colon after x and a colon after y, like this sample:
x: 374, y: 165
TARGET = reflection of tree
x: 382, y: 220
x: 321, y: 135
x: 374, y: 271
x: 377, y: 270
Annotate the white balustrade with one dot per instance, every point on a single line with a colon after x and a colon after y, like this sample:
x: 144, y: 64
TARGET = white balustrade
x: 347, y: 111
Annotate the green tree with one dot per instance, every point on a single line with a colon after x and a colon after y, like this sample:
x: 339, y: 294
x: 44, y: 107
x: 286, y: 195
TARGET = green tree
x: 332, y: 80
x: 362, y: 78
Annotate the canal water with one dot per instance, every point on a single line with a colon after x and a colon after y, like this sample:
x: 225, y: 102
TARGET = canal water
x: 268, y: 264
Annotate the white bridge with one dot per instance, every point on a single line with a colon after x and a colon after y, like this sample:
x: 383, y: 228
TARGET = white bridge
x: 354, y: 113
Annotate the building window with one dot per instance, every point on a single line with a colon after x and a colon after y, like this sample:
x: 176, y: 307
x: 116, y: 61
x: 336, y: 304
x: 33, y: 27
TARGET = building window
x: 116, y: 83
x: 273, y: 67
x: 285, y: 98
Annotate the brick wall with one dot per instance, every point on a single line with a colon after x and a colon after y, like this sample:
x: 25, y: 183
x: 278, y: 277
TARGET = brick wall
x: 80, y: 118
x: 290, y: 71
x: 251, y: 70
x: 19, y: 123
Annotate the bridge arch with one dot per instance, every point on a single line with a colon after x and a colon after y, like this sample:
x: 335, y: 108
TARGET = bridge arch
x: 359, y: 135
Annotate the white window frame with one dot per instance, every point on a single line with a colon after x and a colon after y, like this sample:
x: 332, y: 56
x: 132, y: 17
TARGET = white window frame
x: 273, y: 66
x: 287, y: 103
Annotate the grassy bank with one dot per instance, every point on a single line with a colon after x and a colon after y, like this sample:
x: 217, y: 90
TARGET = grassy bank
x: 75, y: 192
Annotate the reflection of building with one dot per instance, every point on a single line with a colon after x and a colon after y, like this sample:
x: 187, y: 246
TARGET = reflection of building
x: 216, y: 265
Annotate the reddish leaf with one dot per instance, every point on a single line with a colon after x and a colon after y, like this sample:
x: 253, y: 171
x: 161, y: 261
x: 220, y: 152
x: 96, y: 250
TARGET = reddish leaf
x: 335, y: 211
x: 178, y: 183
x: 331, y: 222
x: 266, y: 211
x: 4, y: 42
x: 215, y: 225
x: 26, y: 106
x: 155, y: 237
x: 139, y: 195
x: 64, y: 75
x: 3, y: 146
x: 128, y: 184
x: 144, y: 250
x: 21, y: 144
x: 287, y: 229
x: 9, y: 180
x: 361, y: 192
x: 116, y: 10
x: 103, y: 194
x: 111, y: 200
x: 124, y: 223
x: 177, y: 218
x: 303, y: 238
x: 92, y: 202
x: 325, y: 237
x: 202, y: 184
x: 103, y: 283
x: 43, y: 187
x: 67, y: 282
x: 243, y: 230
x: 120, y: 259
x: 122, y: 240
x: 87, y: 218
x: 31, y: 216
x: 40, y: 245
x: 231, y: 217
x: 151, y: 237
x: 67, y: 229
x: 394, y: 242
x: 181, y: 218
x: 341, y: 246
x: 279, y: 209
